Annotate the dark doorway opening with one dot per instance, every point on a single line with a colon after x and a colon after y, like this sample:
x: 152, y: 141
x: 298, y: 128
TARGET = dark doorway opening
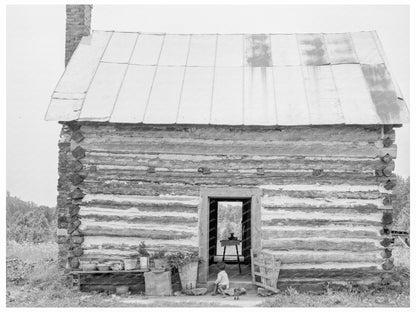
x: 226, y: 216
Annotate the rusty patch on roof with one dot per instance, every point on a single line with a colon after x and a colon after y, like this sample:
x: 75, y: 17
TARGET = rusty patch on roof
x: 312, y: 49
x: 382, y: 92
x: 258, y: 52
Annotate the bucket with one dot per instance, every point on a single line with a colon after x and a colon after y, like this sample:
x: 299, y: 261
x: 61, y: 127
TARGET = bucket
x: 130, y: 264
x: 144, y: 263
x: 188, y: 274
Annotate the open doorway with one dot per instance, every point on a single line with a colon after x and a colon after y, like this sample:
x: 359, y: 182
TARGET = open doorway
x: 250, y: 202
x: 230, y: 237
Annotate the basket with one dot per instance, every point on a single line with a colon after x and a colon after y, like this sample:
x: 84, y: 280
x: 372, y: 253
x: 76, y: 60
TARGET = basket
x: 188, y: 274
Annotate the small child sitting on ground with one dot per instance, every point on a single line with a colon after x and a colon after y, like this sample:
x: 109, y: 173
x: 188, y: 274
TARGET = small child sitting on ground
x: 222, y: 283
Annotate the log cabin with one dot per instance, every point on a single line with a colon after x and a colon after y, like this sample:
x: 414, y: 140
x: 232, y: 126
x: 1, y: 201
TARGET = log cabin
x: 158, y: 129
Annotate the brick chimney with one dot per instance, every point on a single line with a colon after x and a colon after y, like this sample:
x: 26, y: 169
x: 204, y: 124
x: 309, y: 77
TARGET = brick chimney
x: 78, y: 24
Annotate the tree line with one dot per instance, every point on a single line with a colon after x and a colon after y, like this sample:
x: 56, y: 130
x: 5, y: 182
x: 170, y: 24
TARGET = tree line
x: 27, y: 222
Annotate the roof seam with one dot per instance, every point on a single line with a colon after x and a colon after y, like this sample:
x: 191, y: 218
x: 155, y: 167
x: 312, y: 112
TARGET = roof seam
x: 303, y: 80
x: 93, y: 76
x: 124, y: 77
x: 333, y: 77
x: 153, y: 80
x: 244, y: 77
x: 213, y: 80
x: 183, y: 79
x: 274, y: 81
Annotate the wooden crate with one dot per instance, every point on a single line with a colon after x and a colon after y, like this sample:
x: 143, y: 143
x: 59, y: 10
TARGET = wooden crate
x: 158, y: 283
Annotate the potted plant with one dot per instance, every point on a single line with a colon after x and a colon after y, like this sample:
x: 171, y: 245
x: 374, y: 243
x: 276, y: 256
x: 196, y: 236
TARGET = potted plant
x: 143, y: 256
x: 187, y: 265
x: 159, y: 260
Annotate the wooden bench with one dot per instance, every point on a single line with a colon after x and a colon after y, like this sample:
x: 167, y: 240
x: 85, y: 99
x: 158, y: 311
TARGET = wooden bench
x: 108, y: 280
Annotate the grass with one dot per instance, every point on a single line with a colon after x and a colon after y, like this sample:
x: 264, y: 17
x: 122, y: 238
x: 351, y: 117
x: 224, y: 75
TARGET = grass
x: 42, y: 285
x: 292, y: 298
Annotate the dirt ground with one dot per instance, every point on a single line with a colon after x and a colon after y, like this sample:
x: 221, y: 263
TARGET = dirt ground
x: 33, y: 280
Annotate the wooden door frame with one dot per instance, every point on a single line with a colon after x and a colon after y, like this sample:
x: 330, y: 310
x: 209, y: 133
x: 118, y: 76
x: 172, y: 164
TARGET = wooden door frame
x: 203, y: 221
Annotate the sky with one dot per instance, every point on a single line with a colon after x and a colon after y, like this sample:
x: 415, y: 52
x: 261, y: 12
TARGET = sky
x: 35, y: 38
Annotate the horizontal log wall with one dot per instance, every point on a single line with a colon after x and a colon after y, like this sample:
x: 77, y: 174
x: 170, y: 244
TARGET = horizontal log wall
x: 326, y: 190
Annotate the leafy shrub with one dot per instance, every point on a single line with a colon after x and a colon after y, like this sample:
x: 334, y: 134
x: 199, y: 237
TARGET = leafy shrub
x: 27, y: 222
x: 401, y: 204
x: 178, y: 259
x: 18, y: 270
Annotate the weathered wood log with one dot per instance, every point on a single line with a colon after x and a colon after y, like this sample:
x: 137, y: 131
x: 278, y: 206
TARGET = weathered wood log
x: 72, y: 125
x: 77, y: 136
x: 387, y: 142
x: 389, y: 185
x: 317, y: 172
x: 330, y: 133
x: 75, y: 166
x: 74, y: 210
x: 388, y: 264
x: 236, y: 178
x: 387, y: 200
x: 260, y: 171
x: 387, y: 218
x: 77, y: 194
x: 387, y: 172
x: 316, y: 216
x: 385, y: 231
x: 63, y: 222
x: 386, y: 242
x: 169, y: 208
x: 78, y: 153
x: 387, y: 158
x: 322, y: 256
x: 74, y: 263
x: 345, y: 274
x: 278, y: 202
x: 214, y: 148
x: 177, y: 161
x: 270, y: 233
x: 76, y: 179
x: 322, y: 244
x: 379, y: 172
x: 143, y: 233
x: 386, y: 253
x: 77, y: 239
x: 319, y: 194
x: 317, y: 222
x: 77, y: 252
x: 62, y: 239
x: 144, y: 219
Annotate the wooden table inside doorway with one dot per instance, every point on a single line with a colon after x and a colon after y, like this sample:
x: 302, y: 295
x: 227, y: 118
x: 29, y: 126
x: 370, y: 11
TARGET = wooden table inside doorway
x: 231, y: 242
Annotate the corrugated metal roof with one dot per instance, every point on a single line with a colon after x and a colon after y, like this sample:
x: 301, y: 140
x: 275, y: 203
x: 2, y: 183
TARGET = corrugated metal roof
x: 239, y: 79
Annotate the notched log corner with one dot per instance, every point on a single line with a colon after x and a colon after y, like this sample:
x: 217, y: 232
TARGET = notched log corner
x: 388, y: 264
x: 77, y: 136
x: 78, y: 153
x: 389, y: 185
x: 385, y: 242
x: 387, y: 158
x: 387, y: 218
